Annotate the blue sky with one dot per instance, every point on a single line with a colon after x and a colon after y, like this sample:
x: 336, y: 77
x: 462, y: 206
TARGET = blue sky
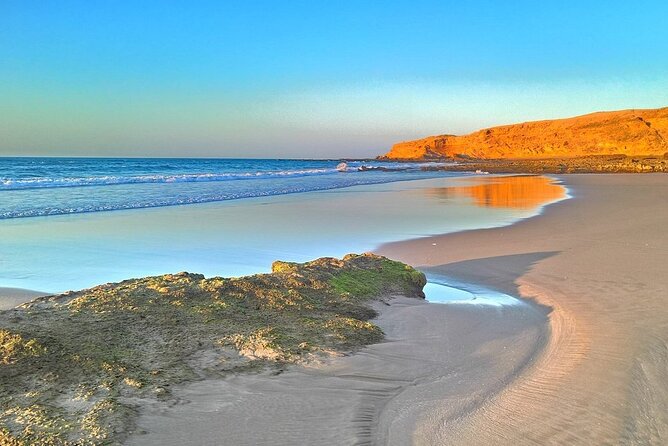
x: 311, y: 79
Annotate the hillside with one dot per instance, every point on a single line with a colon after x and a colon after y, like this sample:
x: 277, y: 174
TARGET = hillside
x: 626, y: 132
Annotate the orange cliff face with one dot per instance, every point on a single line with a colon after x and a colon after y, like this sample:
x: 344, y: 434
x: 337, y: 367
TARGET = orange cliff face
x: 627, y: 132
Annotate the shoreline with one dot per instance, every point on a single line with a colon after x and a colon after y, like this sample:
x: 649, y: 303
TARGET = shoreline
x: 380, y: 394
x: 387, y: 378
x: 221, y: 238
x: 596, y: 262
x: 12, y: 297
x: 583, y: 362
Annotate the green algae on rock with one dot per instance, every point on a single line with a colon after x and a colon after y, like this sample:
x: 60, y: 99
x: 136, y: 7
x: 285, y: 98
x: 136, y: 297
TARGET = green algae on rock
x: 75, y: 367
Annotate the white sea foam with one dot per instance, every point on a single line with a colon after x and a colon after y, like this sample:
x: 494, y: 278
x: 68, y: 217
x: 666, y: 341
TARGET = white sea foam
x: 107, y: 180
x: 45, y: 187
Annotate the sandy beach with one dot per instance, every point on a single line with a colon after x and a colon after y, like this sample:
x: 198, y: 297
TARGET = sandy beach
x: 582, y: 362
x: 11, y: 297
x: 434, y: 356
x: 599, y: 262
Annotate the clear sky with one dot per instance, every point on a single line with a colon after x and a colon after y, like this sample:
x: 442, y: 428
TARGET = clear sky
x: 311, y: 78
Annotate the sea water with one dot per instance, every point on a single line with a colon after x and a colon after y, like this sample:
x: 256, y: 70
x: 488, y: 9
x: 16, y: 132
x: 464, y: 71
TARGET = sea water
x: 74, y: 223
x: 31, y: 187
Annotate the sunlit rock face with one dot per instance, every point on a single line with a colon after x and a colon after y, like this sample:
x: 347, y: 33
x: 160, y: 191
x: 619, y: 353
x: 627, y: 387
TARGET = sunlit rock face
x: 628, y: 132
x: 517, y: 192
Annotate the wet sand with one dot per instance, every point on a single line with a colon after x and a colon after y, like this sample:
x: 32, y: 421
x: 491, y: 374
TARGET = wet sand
x: 600, y: 261
x: 585, y: 361
x: 435, y: 356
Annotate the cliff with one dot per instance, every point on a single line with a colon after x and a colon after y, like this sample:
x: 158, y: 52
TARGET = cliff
x: 626, y: 132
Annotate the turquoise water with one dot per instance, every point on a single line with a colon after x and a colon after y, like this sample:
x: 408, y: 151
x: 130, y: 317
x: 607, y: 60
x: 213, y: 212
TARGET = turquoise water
x: 32, y: 187
x: 235, y: 237
x: 446, y: 291
x: 216, y: 217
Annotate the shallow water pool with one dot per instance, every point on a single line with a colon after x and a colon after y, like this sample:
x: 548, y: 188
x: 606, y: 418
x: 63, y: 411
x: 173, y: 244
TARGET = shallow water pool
x: 440, y: 290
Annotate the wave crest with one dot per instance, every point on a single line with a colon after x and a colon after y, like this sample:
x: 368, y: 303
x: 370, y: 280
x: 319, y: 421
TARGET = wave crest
x: 109, y: 180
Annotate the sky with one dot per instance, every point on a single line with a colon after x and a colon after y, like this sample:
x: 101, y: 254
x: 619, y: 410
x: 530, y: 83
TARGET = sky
x: 311, y: 79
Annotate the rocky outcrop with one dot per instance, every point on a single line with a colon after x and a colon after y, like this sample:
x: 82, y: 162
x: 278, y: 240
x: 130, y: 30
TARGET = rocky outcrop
x: 580, y: 164
x: 74, y: 367
x: 627, y: 132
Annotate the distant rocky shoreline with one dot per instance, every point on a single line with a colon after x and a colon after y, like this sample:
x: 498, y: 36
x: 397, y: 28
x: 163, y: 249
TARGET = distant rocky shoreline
x: 585, y: 164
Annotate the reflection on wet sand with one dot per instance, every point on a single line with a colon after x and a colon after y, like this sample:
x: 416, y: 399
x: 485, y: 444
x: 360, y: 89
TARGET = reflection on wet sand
x: 516, y: 192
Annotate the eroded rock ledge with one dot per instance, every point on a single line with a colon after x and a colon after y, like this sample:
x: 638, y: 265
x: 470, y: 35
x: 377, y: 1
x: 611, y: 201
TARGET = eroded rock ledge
x: 74, y: 367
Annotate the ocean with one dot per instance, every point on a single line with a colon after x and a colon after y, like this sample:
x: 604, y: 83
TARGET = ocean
x: 32, y: 187
x: 68, y: 223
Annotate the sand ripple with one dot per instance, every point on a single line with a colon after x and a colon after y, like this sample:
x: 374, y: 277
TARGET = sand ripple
x: 599, y: 262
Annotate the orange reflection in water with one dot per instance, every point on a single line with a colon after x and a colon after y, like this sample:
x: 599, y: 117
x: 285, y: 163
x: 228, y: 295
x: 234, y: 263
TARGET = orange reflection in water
x: 516, y: 192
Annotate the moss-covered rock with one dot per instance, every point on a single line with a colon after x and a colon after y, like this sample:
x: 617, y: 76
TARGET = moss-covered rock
x: 73, y: 367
